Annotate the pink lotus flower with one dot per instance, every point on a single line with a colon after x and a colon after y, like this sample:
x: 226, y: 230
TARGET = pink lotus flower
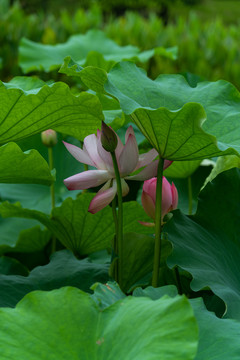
x: 128, y: 159
x: 169, y: 198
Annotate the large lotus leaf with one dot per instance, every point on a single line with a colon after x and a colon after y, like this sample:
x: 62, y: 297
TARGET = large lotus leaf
x: 63, y: 270
x: 134, y: 90
x: 24, y: 113
x: 35, y: 56
x: 23, y: 167
x: 76, y: 228
x: 207, y: 244
x: 144, y: 329
x: 218, y: 338
x: 178, y: 135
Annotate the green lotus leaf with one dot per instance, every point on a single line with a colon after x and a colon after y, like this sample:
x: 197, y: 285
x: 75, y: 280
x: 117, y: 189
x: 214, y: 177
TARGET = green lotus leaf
x: 218, y: 338
x: 75, y: 227
x: 178, y: 135
x: 79, y: 273
x: 25, y: 113
x: 163, y: 329
x: 207, y: 244
x: 134, y: 90
x: 92, y: 48
x: 23, y: 167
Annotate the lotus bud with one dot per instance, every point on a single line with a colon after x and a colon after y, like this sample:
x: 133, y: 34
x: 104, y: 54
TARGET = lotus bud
x: 169, y: 197
x: 49, y: 137
x: 108, y: 138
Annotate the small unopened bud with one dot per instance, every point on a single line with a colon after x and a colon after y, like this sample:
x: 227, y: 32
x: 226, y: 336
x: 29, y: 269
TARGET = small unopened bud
x: 108, y: 138
x: 49, y: 137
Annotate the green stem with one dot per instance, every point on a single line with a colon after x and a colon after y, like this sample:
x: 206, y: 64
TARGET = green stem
x: 189, y: 195
x: 115, y: 249
x: 158, y: 216
x: 114, y: 212
x: 119, y: 234
x: 52, y: 189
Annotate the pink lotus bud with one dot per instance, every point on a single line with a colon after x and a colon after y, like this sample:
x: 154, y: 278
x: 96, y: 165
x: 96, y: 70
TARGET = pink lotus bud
x: 169, y: 197
x: 49, y: 137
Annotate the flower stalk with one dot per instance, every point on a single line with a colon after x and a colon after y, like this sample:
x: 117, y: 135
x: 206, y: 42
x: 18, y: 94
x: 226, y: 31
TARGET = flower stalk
x: 51, y: 167
x: 52, y: 190
x: 119, y: 232
x: 49, y: 139
x: 114, y: 246
x: 158, y: 216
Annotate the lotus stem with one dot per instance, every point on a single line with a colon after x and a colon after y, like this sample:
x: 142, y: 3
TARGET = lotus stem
x: 119, y: 233
x: 158, y: 225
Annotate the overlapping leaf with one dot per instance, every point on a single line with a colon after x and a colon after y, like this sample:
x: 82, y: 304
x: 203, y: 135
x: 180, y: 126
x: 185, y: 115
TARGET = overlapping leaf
x: 76, y: 228
x: 92, y: 48
x: 134, y: 90
x: 24, y: 113
x: 22, y: 235
x: 63, y: 270
x: 23, y: 167
x: 208, y: 243
x: 162, y: 329
x: 218, y: 338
